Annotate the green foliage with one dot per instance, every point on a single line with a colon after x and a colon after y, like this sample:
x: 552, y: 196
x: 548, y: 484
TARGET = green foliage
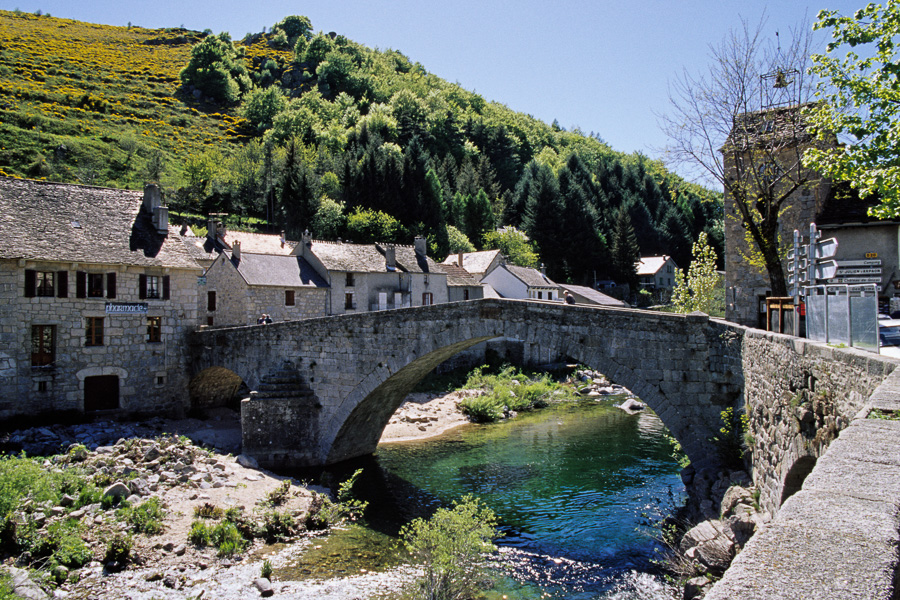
x: 330, y: 221
x: 458, y: 241
x: 514, y: 245
x: 217, y: 69
x: 625, y: 250
x: 266, y: 569
x: 451, y: 547
x: 227, y: 539
x: 368, y: 226
x: 280, y: 494
x: 887, y: 415
x: 63, y: 545
x: 118, y: 548
x: 506, y: 391
x: 208, y: 511
x: 678, y: 452
x: 860, y: 102
x: 731, y: 440
x: 200, y: 534
x: 6, y: 587
x: 146, y: 517
x: 261, y: 106
x: 698, y: 292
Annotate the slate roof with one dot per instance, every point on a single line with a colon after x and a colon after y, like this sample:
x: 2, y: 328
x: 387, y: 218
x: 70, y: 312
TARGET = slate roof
x: 457, y: 276
x: 409, y: 261
x: 369, y: 258
x: 277, y: 270
x: 531, y: 277
x: 593, y: 295
x: 260, y: 243
x: 474, y: 262
x: 354, y: 258
x: 650, y: 265
x: 90, y: 225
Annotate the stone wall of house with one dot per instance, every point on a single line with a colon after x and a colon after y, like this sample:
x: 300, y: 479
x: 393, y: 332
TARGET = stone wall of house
x: 151, y: 375
x: 308, y: 303
x: 232, y: 301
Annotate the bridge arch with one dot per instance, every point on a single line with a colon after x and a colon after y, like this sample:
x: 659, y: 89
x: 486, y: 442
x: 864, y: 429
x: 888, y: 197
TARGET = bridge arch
x: 360, y: 367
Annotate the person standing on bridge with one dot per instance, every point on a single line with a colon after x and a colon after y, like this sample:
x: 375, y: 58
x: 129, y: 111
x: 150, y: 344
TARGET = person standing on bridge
x: 570, y: 299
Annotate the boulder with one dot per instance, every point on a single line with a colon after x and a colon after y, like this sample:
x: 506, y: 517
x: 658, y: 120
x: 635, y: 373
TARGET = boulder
x: 117, y: 490
x: 632, y: 406
x: 696, y: 587
x: 711, y: 544
x: 247, y: 461
x: 264, y: 586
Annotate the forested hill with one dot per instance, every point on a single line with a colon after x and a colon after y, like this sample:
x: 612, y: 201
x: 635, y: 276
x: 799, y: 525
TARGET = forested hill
x: 314, y: 131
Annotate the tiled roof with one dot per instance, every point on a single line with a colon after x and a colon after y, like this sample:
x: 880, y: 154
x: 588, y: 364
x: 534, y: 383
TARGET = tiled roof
x: 355, y: 258
x: 277, y: 270
x: 457, y: 276
x: 73, y: 223
x: 593, y: 295
x: 650, y: 265
x: 531, y: 277
x: 474, y: 262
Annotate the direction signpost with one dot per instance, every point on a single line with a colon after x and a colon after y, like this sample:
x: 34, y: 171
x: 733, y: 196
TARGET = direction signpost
x: 807, y: 263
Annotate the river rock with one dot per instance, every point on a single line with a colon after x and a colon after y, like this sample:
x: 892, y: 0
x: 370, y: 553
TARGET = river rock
x: 117, y: 490
x: 696, y: 587
x: 248, y: 462
x: 264, y: 586
x: 711, y: 544
x: 632, y: 406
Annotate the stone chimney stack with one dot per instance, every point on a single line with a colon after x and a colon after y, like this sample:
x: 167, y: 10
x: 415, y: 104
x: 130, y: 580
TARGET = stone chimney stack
x: 282, y: 238
x: 390, y: 258
x: 211, y: 228
x: 543, y: 270
x: 236, y: 250
x: 420, y: 245
x: 459, y: 259
x: 159, y: 214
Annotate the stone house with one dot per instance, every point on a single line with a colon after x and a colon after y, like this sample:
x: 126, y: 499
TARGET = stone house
x: 240, y: 286
x: 461, y: 285
x: 99, y: 293
x: 766, y: 145
x: 367, y: 277
x: 657, y: 273
x: 511, y: 281
x: 476, y: 264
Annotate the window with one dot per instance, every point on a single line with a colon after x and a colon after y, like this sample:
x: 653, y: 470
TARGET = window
x: 160, y: 380
x: 289, y: 297
x: 350, y: 280
x: 42, y: 386
x: 44, y: 283
x: 465, y: 293
x: 427, y: 298
x: 348, y: 301
x: 154, y: 329
x: 93, y: 334
x: 540, y: 295
x: 152, y: 286
x: 95, y: 285
x: 209, y: 321
x: 210, y: 301
x: 43, y: 342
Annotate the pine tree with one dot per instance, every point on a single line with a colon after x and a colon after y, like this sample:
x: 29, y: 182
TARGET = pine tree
x: 625, y: 250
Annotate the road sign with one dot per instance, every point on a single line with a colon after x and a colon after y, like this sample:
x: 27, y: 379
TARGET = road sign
x: 826, y: 248
x: 869, y: 262
x: 826, y: 269
x: 842, y: 270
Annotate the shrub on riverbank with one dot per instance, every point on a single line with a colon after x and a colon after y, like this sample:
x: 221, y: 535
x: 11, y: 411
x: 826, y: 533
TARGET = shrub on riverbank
x: 506, y: 391
x: 452, y: 546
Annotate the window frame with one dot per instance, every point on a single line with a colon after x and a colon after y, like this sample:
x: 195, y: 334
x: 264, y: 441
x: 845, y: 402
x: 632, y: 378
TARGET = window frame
x: 43, y: 288
x: 154, y: 330
x: 348, y: 301
x: 427, y: 298
x: 152, y: 289
x: 290, y: 298
x: 45, y: 357
x: 95, y: 285
x: 93, y: 331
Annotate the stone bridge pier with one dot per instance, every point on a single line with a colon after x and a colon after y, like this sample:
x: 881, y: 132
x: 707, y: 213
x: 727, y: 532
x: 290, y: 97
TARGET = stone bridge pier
x: 327, y: 387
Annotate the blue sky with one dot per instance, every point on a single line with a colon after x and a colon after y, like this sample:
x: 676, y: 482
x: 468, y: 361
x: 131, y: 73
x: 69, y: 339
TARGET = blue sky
x: 599, y: 65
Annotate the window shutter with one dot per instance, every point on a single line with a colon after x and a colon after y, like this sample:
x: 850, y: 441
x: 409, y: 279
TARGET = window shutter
x: 142, y: 286
x: 62, y: 284
x: 80, y: 284
x: 165, y: 287
x: 110, y: 285
x: 30, y: 283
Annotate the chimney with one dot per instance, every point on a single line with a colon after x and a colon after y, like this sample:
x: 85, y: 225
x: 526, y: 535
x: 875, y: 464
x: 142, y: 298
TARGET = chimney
x: 282, y: 238
x: 305, y: 238
x: 161, y: 219
x: 543, y: 270
x: 211, y: 228
x: 236, y: 250
x: 152, y: 197
x: 390, y: 258
x: 459, y: 259
x: 420, y: 245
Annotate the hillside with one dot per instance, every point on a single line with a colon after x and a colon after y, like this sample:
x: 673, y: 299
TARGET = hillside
x: 314, y: 131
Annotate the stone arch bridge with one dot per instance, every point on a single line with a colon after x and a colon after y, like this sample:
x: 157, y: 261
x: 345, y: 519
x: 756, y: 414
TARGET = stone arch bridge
x: 348, y: 374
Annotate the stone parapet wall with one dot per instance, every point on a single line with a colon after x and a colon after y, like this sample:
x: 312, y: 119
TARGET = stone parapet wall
x: 799, y: 396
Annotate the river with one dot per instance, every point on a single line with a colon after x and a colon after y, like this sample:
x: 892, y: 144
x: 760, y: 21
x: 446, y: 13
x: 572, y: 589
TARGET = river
x: 573, y: 486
